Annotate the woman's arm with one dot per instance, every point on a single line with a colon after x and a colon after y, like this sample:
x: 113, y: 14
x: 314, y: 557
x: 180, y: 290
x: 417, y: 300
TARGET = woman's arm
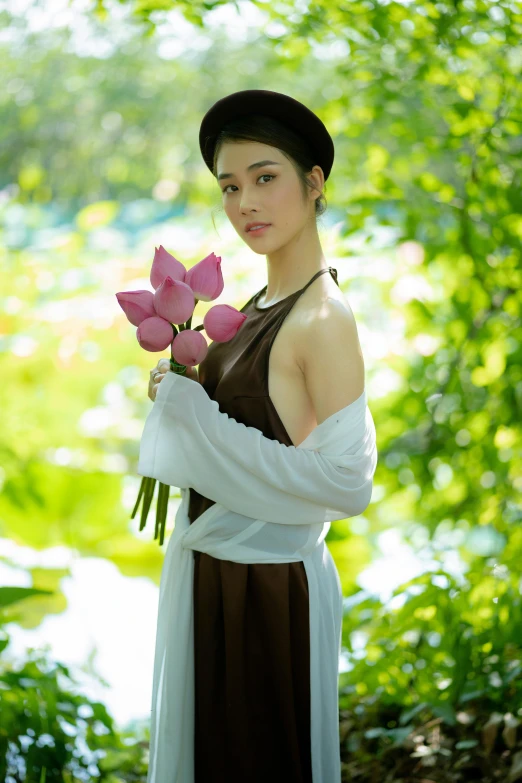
x: 330, y: 356
x: 188, y: 442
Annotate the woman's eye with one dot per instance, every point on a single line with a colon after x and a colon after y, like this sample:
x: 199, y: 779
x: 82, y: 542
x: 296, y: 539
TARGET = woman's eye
x: 272, y: 176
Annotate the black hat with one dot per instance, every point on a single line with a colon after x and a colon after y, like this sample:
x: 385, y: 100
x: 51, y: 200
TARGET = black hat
x: 276, y: 104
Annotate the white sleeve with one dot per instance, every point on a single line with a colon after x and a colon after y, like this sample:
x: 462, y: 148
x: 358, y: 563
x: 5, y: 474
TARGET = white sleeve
x: 188, y: 442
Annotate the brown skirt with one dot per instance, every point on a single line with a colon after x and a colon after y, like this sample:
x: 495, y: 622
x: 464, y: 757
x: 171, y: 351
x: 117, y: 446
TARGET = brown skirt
x: 252, y: 672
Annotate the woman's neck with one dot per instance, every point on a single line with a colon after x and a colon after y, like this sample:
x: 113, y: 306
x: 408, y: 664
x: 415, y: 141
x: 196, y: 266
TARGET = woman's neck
x: 290, y: 267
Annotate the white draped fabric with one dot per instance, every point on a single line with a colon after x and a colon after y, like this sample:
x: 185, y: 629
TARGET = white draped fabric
x: 273, y: 504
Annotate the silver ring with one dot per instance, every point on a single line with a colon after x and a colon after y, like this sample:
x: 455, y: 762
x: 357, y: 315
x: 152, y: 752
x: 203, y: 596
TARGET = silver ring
x: 154, y: 376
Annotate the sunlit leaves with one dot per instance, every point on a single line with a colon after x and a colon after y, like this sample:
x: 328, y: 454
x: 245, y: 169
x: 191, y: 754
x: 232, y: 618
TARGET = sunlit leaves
x: 423, y: 101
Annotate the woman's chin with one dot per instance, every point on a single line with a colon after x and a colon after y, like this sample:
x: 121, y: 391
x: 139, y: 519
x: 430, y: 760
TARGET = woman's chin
x: 260, y: 245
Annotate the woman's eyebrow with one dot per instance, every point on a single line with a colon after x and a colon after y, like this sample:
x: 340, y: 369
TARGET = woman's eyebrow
x: 252, y: 166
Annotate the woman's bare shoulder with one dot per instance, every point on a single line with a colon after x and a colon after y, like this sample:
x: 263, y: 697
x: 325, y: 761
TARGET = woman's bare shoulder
x: 322, y: 299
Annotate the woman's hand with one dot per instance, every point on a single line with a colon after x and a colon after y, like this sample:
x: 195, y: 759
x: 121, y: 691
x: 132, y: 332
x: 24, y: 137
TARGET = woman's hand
x: 163, y: 367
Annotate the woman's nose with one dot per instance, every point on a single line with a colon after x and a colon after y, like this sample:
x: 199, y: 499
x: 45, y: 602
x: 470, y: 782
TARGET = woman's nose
x: 247, y: 202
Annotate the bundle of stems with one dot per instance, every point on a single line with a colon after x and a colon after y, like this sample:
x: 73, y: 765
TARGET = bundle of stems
x: 148, y: 485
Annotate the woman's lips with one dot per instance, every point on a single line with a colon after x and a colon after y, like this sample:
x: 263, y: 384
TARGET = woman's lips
x: 257, y: 231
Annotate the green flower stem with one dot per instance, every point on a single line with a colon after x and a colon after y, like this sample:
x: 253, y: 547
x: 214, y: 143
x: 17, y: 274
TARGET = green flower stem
x: 161, y: 510
x: 147, y: 499
x: 140, y: 495
x: 146, y: 492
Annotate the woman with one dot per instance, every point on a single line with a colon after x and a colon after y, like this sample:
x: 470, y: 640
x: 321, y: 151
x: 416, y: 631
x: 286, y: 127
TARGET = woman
x: 294, y: 363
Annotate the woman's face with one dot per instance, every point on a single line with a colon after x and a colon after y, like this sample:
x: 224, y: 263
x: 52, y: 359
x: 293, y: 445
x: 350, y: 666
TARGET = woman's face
x: 270, y: 193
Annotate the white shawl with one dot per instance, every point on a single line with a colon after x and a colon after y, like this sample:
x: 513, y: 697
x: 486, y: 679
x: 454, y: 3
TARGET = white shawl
x: 273, y: 504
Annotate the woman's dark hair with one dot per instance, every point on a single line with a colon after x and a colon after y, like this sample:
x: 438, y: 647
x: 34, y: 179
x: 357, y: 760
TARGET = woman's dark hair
x: 268, y: 130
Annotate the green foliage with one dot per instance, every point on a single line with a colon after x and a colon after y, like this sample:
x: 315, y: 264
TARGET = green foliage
x: 439, y: 678
x: 9, y: 596
x: 50, y: 732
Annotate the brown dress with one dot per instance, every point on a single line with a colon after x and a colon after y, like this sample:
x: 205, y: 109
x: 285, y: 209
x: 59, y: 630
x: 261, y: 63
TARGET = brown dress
x: 251, y: 621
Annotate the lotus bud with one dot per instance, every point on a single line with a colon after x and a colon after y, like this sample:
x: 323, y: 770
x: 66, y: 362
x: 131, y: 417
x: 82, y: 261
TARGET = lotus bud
x: 163, y: 265
x: 222, y: 322
x: 154, y: 334
x: 205, y: 278
x: 189, y: 347
x: 137, y: 305
x: 174, y: 301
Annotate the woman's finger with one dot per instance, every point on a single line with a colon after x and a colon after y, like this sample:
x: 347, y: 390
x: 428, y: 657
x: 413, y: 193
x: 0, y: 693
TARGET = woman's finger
x: 163, y: 365
x: 155, y: 386
x: 162, y: 368
x: 156, y: 375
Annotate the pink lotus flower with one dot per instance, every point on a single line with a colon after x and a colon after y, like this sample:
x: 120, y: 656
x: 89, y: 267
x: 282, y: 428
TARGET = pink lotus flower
x: 174, y: 301
x: 189, y: 347
x: 154, y: 334
x: 206, y: 279
x: 156, y: 314
x: 137, y: 305
x: 164, y: 265
x: 222, y: 322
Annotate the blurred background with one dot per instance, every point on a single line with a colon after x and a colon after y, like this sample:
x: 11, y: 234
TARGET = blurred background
x: 100, y: 109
